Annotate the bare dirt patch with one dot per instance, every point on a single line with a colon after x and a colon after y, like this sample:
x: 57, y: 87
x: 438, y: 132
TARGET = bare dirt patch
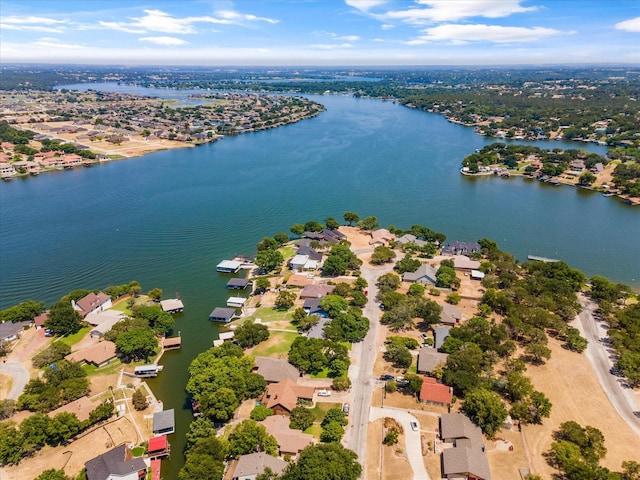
x: 569, y: 382
x: 395, y: 465
x: 506, y: 455
x: 5, y: 384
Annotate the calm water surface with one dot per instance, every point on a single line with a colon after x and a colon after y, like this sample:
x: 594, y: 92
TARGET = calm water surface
x: 168, y: 218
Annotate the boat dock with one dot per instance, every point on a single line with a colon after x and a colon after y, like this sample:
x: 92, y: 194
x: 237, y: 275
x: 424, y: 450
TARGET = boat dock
x: 542, y: 259
x: 235, y: 264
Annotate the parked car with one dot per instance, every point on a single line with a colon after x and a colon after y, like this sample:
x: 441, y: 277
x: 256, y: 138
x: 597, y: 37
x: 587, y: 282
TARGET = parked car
x: 386, y: 377
x: 414, y: 426
x: 345, y: 408
x: 48, y: 332
x: 324, y: 393
x: 400, y: 379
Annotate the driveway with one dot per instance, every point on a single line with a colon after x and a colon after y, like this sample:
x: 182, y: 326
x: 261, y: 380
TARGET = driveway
x: 20, y: 377
x: 621, y: 397
x: 413, y: 443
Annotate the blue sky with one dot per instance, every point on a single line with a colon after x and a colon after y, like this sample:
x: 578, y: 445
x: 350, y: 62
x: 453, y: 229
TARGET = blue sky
x: 320, y: 32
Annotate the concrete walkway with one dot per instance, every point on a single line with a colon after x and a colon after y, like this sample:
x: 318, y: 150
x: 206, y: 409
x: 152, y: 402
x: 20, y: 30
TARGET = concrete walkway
x: 20, y: 377
x: 413, y: 443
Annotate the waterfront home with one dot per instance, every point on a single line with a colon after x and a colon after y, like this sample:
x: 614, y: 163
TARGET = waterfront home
x: 274, y: 370
x: 461, y: 248
x: 464, y: 263
x: 98, y: 355
x: 381, y: 237
x: 164, y: 422
x: 7, y: 170
x: 410, y: 239
x: 298, y: 262
x: 172, y: 305
x: 11, y: 331
x: 117, y: 463
x: 221, y: 314
x: 248, y: 467
x: 92, y: 302
x: 424, y: 274
x: 316, y: 291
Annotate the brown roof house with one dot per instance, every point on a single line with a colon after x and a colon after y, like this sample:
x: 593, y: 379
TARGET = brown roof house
x: 289, y: 441
x: 282, y: 397
x: 381, y: 236
x: 92, y: 303
x: 248, y: 467
x: 466, y: 459
x: 316, y: 291
x: 99, y: 354
x: 429, y: 359
x: 117, y: 463
x: 275, y: 370
x: 450, y: 315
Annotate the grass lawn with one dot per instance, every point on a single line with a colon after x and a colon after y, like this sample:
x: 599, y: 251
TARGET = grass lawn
x: 314, y: 430
x: 277, y: 346
x: 122, y: 307
x: 137, y: 451
x: 71, y: 340
x: 322, y: 374
x: 270, y: 314
x: 112, y: 367
x: 321, y: 409
x: 288, y: 252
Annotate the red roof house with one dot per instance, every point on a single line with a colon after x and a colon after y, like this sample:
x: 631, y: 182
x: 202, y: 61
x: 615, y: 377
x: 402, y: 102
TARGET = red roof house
x: 434, y: 392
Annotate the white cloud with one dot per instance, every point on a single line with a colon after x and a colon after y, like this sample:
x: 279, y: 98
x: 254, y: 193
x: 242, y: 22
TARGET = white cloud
x: 631, y: 25
x: 31, y: 19
x: 364, y: 5
x: 55, y: 43
x: 483, y: 33
x: 163, y: 40
x: 386, y: 26
x: 31, y: 28
x: 331, y: 46
x: 348, y: 38
x: 159, y: 21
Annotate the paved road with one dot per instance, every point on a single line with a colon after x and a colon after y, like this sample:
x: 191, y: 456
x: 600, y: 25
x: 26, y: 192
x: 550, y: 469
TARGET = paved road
x: 361, y: 372
x: 20, y: 377
x: 621, y: 398
x: 412, y: 437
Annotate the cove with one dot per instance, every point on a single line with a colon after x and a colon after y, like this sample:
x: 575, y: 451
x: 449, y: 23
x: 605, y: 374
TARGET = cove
x: 166, y: 219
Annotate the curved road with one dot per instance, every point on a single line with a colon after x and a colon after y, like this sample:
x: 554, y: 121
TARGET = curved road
x: 621, y: 398
x: 20, y: 377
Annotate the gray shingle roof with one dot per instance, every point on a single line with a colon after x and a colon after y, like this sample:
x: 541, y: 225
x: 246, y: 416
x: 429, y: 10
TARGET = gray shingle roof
x: 113, y: 462
x: 256, y: 463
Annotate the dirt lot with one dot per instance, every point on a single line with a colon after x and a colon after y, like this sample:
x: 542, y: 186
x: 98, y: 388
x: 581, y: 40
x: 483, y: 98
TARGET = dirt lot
x: 395, y: 465
x: 571, y: 385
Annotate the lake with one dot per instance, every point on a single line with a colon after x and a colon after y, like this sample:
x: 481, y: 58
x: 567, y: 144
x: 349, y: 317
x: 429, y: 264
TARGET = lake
x: 168, y: 218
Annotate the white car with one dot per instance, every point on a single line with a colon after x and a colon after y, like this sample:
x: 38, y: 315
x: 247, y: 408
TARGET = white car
x: 414, y: 426
x: 324, y: 393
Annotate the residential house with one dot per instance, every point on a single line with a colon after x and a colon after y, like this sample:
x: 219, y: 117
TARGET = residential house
x: 425, y: 274
x: 316, y: 291
x: 429, y: 359
x: 461, y: 248
x: 248, y: 467
x: 317, y: 330
x: 92, y: 302
x: 450, y: 315
x: 299, y: 281
x: 410, y: 239
x: 381, y: 237
x: 274, y: 370
x: 39, y: 320
x: 282, y: 397
x: 289, y: 441
x: 462, y: 262
x: 435, y: 393
x: 7, y: 170
x: 116, y: 464
x: 440, y: 334
x: 312, y: 306
x: 298, y: 262
x: 81, y: 408
x: 98, y: 355
x: 466, y: 459
x: 11, y: 331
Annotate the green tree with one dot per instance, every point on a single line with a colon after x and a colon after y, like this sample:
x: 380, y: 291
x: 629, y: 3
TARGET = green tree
x: 574, y: 341
x: 53, y: 474
x: 297, y: 229
x: 219, y: 405
x: 285, y: 299
x: 26, y: 310
x: 62, y: 427
x: 341, y: 384
x: 262, y: 284
x: 335, y: 415
x: 33, y: 430
x: 339, y: 260
x: 63, y: 319
x: 155, y: 294
x: 416, y: 290
x: 324, y: 461
x: 382, y: 254
x: 269, y: 260
x: 268, y: 243
x: 53, y: 353
x: 313, y: 226
x: 139, y: 400
x: 369, y: 223
x: 334, y: 305
x: 398, y: 355
x: 7, y: 408
x: 351, y: 217
x: 301, y: 418
x: 587, y: 179
x: 137, y: 344
x: 486, y: 410
x: 281, y: 237
x: 250, y: 436
x: 250, y: 334
x: 537, y: 353
x: 204, y: 460
x: 331, y: 432
x: 407, y: 264
x: 389, y: 282
x: 517, y: 386
x: 331, y: 223
x: 260, y: 412
x: 11, y: 444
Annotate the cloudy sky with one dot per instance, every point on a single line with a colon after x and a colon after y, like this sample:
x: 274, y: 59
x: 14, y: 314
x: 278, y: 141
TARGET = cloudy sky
x: 320, y: 32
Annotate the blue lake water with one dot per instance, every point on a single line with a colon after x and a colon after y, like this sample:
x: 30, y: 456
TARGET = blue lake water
x: 168, y: 218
